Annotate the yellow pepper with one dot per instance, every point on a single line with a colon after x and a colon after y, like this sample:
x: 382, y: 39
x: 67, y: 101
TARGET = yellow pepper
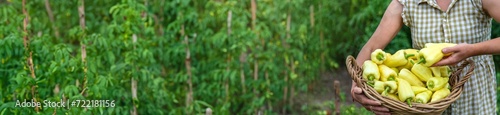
x: 412, y: 56
x: 436, y: 83
x: 412, y: 79
x: 392, y: 96
x: 418, y: 89
x: 430, y: 55
x: 378, y: 56
x: 390, y: 87
x: 412, y: 51
x: 404, y: 91
x: 395, y: 69
x: 397, y: 59
x: 445, y: 71
x: 448, y: 86
x: 440, y: 94
x: 370, y: 71
x: 409, y: 64
x: 385, y: 87
x: 386, y: 73
x: 423, y: 73
x: 441, y: 46
x: 423, y: 97
x: 379, y: 86
x: 436, y: 71
x: 401, y: 68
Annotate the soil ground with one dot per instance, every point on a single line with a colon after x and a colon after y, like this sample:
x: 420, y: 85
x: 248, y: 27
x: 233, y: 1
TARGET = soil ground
x: 323, y: 90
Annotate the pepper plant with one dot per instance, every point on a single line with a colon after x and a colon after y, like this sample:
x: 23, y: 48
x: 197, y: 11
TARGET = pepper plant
x: 175, y: 56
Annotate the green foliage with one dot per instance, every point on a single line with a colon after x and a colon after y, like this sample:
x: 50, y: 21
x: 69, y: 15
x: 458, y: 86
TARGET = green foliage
x: 495, y: 33
x: 129, y: 41
x: 240, y: 67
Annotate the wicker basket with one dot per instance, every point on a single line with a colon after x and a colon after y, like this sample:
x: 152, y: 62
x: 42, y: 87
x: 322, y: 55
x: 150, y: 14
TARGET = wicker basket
x: 398, y: 107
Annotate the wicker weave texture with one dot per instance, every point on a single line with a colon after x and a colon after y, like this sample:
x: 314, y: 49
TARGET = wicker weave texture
x: 398, y: 107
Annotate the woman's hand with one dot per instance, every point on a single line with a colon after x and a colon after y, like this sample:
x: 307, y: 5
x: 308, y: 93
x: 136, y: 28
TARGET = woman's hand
x: 372, y: 105
x: 459, y: 53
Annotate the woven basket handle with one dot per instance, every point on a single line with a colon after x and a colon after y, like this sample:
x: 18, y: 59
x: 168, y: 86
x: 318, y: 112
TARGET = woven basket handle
x: 467, y: 75
x: 354, y: 70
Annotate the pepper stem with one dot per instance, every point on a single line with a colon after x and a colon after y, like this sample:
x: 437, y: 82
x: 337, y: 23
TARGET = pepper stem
x: 391, y: 78
x: 408, y: 55
x: 380, y: 56
x: 419, y: 101
x: 370, y: 83
x: 408, y: 101
x: 430, y: 84
x: 422, y: 60
x: 371, y: 77
x: 387, y: 88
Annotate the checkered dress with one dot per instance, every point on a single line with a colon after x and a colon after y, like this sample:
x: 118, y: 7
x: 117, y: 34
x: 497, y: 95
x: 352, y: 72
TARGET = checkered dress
x: 463, y: 22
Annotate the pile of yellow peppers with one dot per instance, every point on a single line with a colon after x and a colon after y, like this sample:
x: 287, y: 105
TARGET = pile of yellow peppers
x: 408, y: 74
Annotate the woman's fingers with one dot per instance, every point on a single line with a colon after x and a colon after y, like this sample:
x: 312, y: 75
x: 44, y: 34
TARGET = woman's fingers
x: 365, y: 101
x: 460, y: 52
x: 379, y: 108
x: 452, y: 60
x: 361, y: 98
x: 381, y: 113
x: 357, y: 90
x: 369, y: 104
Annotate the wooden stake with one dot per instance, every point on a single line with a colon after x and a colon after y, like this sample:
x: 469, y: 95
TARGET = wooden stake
x: 253, y: 4
x: 25, y: 26
x: 253, y: 9
x: 51, y: 18
x: 285, y: 91
x: 229, y: 19
x: 243, y: 59
x: 288, y: 36
x: 133, y: 83
x: 228, y: 60
x: 268, y: 82
x: 29, y: 60
x: 189, y: 98
x: 292, y: 88
x: 322, y: 46
x: 336, y: 86
x: 255, y: 75
x: 83, y: 47
x: 208, y: 111
x: 311, y: 15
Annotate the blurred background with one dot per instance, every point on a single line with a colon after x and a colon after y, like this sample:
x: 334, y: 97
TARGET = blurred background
x: 187, y: 56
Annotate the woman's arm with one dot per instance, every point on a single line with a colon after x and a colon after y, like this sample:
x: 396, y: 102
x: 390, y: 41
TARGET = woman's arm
x: 492, y: 8
x: 463, y: 51
x: 388, y: 28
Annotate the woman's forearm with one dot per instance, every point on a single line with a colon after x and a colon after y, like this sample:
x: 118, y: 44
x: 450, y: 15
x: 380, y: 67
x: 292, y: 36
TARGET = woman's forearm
x: 389, y: 26
x: 464, y: 51
x: 490, y: 47
x: 364, y: 54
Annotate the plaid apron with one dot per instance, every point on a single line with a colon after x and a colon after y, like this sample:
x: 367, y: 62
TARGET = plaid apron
x: 463, y: 22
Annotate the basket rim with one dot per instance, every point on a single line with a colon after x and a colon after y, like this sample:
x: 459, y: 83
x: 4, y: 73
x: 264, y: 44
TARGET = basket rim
x: 455, y: 81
